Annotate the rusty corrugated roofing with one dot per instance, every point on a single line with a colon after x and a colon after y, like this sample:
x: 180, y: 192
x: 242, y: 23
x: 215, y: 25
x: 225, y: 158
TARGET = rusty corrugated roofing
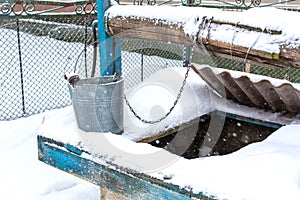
x: 262, y: 94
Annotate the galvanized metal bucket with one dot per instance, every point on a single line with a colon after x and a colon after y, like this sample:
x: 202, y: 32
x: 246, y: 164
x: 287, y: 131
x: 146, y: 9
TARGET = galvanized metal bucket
x: 98, y: 104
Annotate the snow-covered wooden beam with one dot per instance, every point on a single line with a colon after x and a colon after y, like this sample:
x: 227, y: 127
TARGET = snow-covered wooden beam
x: 264, y: 35
x: 116, y: 181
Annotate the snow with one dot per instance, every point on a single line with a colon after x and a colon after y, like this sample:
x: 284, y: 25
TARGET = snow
x: 265, y: 170
x: 195, y: 101
x: 254, y: 172
x: 255, y: 78
x: 190, y: 19
x: 24, y: 177
x: 45, y: 60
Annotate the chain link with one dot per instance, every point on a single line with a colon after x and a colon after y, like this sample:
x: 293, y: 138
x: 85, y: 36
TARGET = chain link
x: 171, y: 109
x: 54, y: 46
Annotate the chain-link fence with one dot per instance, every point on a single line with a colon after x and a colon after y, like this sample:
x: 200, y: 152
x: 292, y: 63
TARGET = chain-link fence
x: 287, y: 73
x: 36, y: 53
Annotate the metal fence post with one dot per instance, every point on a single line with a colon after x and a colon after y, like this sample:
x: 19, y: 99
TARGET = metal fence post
x: 21, y: 66
x: 110, y: 48
x: 85, y: 46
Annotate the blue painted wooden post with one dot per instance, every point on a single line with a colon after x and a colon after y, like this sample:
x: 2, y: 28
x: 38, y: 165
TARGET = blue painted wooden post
x: 124, y: 181
x: 110, y: 48
x: 187, y: 56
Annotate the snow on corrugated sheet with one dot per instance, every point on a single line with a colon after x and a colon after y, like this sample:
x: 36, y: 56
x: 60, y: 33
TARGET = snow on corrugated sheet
x: 265, y: 93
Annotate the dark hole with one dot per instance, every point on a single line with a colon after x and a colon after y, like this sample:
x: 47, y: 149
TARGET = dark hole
x: 234, y: 135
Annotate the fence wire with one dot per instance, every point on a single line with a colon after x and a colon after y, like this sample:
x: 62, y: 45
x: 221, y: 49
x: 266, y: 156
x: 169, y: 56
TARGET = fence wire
x: 35, y: 54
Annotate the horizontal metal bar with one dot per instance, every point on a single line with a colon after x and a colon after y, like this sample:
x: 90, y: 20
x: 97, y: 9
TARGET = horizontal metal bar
x: 250, y: 120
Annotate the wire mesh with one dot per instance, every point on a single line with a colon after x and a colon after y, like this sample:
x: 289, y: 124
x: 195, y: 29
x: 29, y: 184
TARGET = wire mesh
x: 35, y: 54
x: 142, y: 58
x: 287, y: 73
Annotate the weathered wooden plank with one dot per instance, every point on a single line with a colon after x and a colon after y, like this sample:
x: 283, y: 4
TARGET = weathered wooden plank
x: 247, y: 27
x: 150, y: 35
x: 159, y: 29
x: 251, y: 60
x: 291, y: 55
x: 155, y: 26
x: 107, y: 194
x: 224, y: 47
x: 239, y: 53
x: 128, y: 183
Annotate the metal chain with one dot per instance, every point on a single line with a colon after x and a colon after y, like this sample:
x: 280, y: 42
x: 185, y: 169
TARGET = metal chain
x: 198, y: 36
x: 250, y: 47
x: 208, y: 28
x: 171, y: 109
x: 232, y: 40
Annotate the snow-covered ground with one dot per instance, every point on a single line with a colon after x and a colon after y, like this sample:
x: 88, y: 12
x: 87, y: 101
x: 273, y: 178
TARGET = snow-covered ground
x: 24, y: 177
x: 264, y: 170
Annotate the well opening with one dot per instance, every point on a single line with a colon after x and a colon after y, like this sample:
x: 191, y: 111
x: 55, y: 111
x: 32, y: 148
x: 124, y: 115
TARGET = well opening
x: 236, y: 134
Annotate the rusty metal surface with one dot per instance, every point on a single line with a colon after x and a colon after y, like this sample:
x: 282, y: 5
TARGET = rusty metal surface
x: 263, y: 94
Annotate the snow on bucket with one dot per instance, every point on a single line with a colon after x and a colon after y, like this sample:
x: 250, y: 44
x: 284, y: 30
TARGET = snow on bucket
x: 98, y: 104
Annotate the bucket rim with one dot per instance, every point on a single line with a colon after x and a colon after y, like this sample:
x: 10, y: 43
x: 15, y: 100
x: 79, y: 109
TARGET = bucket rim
x: 82, y: 83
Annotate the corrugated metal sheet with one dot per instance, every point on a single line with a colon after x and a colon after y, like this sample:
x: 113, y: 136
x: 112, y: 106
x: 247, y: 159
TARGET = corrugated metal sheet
x: 262, y: 94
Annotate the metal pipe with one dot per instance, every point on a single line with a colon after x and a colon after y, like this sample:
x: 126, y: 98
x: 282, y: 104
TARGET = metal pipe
x: 21, y: 67
x: 94, y: 25
x: 109, y: 47
x: 85, y: 47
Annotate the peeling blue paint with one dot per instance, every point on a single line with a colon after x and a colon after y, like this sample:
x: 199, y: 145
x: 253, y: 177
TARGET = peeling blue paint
x: 250, y: 120
x: 129, y: 183
x: 73, y: 149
